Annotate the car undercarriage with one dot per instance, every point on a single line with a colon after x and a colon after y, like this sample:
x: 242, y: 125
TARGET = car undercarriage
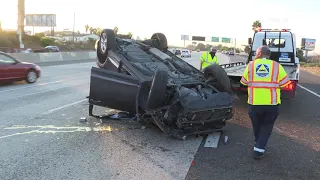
x: 146, y: 79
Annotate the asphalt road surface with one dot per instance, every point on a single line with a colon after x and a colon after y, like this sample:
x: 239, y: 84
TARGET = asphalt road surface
x: 42, y: 138
x: 292, y: 152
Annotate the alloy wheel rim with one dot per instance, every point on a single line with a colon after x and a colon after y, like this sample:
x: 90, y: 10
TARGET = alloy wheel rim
x: 32, y: 76
x: 103, y: 42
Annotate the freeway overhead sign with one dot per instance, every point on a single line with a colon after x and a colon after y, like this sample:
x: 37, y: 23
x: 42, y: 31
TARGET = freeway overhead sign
x: 215, y: 39
x: 226, y: 40
x: 198, y: 38
x: 184, y: 37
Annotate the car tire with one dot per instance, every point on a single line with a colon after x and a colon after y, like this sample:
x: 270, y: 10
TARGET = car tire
x: 161, y: 41
x: 218, y: 77
x: 31, y: 76
x: 157, y: 90
x: 108, y: 39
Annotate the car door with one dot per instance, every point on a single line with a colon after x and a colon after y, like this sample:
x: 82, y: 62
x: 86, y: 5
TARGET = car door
x: 3, y: 70
x: 113, y: 89
x: 13, y: 71
x: 6, y: 64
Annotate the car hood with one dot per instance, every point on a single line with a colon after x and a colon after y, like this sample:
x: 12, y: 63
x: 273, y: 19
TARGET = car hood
x: 27, y: 63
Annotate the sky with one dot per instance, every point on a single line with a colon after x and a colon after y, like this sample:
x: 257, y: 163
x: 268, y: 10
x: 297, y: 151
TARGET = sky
x: 227, y: 18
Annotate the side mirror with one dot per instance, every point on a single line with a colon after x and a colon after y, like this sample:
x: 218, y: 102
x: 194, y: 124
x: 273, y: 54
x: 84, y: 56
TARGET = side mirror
x: 249, y: 40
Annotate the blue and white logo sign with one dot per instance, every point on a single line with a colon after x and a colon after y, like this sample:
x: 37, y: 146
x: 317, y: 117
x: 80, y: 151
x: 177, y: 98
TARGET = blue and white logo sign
x: 262, y: 70
x: 284, y: 57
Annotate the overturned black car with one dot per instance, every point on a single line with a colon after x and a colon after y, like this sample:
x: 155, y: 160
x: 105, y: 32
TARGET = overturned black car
x: 145, y: 78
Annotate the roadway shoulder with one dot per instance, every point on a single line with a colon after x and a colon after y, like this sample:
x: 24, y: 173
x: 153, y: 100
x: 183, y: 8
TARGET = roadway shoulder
x: 310, y: 81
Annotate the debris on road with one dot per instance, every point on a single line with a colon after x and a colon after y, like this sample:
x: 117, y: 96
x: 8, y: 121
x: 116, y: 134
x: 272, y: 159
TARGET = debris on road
x: 213, y: 140
x: 83, y: 119
x: 226, y: 140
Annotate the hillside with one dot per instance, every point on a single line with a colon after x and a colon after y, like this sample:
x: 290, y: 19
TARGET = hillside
x: 10, y: 41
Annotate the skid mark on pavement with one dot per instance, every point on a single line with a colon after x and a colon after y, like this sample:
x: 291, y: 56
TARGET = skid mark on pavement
x: 132, y: 149
x: 58, y: 129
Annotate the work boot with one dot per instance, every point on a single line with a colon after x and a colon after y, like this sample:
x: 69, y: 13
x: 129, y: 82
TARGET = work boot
x: 258, y: 155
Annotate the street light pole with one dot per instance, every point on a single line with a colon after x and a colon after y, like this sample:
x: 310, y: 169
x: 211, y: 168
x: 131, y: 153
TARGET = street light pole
x: 235, y: 45
x: 20, y: 29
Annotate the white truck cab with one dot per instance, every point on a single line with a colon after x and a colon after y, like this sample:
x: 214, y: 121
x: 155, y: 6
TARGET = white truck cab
x: 282, y: 44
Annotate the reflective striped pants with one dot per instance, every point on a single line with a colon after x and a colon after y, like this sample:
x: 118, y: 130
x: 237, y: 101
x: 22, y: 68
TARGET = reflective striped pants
x: 263, y: 118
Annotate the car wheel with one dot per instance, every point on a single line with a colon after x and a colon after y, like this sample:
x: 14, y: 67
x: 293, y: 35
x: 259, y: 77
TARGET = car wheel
x: 218, y: 77
x: 161, y: 41
x: 31, y: 76
x: 158, y: 89
x: 107, y: 41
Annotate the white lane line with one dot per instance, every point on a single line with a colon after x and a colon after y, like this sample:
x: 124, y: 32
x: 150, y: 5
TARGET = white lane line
x: 64, y: 106
x: 316, y: 94
x: 53, y: 89
x: 41, y: 84
x: 213, y: 140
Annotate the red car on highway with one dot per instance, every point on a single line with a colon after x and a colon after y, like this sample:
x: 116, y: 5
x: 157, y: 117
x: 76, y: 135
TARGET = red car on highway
x: 11, y: 69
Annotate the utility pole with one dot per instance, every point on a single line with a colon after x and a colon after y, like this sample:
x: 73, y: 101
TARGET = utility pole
x: 20, y: 29
x: 74, y: 24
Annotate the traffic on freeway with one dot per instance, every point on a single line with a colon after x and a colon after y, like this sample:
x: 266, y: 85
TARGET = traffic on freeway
x: 45, y: 137
x: 11, y: 69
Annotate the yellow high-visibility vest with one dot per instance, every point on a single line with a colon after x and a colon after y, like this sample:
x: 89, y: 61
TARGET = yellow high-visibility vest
x: 264, y: 77
x: 207, y: 60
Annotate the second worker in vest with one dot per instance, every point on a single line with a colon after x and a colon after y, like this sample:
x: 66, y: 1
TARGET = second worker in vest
x: 264, y: 78
x: 208, y: 58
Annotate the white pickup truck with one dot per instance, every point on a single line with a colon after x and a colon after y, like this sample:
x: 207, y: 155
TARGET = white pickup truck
x: 282, y: 44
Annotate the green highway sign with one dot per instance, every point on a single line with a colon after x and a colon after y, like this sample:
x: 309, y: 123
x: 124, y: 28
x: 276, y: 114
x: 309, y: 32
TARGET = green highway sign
x: 226, y: 40
x: 215, y: 39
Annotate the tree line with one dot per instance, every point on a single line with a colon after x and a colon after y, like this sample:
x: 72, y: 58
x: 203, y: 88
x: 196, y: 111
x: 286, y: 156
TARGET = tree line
x: 98, y: 31
x: 202, y: 47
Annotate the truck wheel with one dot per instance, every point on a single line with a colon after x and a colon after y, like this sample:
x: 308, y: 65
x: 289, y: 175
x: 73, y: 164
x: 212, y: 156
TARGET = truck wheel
x: 158, y: 89
x: 106, y: 42
x: 161, y: 41
x: 217, y: 76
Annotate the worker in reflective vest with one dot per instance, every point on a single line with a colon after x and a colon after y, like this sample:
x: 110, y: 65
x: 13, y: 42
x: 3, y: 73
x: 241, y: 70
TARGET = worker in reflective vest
x: 264, y: 79
x: 208, y: 58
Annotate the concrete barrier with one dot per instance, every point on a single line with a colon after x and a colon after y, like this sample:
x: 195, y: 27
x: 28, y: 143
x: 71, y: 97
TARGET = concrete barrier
x: 40, y: 58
